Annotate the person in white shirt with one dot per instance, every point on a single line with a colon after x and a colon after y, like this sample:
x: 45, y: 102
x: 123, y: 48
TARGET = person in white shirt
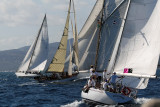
x: 91, y: 83
x: 91, y: 70
x: 74, y: 67
x: 104, y: 75
x: 106, y: 85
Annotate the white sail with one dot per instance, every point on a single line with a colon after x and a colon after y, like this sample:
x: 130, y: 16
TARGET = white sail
x: 111, y: 33
x: 90, y: 31
x: 75, y: 56
x: 25, y: 63
x: 140, y: 44
x: 87, y: 35
x: 75, y: 36
x: 36, y: 57
x: 70, y: 61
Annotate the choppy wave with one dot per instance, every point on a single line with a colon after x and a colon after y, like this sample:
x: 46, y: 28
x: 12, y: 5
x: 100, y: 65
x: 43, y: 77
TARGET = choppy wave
x: 74, y: 104
x: 81, y: 79
x: 137, y: 103
x: 30, y: 83
x: 7, y: 71
x: 28, y: 92
x: 141, y: 100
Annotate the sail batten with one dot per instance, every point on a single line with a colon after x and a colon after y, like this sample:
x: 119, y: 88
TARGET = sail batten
x: 57, y: 64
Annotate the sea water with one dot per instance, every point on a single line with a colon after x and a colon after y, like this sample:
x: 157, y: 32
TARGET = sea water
x: 25, y: 92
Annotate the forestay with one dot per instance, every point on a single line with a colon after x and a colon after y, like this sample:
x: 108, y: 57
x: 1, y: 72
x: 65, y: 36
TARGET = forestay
x: 36, y: 57
x: 140, y: 44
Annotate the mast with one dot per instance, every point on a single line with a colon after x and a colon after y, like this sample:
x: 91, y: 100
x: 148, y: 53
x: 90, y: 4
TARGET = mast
x: 117, y: 45
x: 36, y: 42
x: 99, y: 35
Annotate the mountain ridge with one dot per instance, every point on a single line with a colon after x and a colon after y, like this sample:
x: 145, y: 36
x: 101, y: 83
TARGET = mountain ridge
x: 11, y: 59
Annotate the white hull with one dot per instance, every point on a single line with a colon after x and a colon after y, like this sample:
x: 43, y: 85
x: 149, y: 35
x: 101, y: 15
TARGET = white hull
x: 104, y: 97
x: 56, y: 79
x: 86, y: 74
x: 21, y: 74
x: 83, y: 74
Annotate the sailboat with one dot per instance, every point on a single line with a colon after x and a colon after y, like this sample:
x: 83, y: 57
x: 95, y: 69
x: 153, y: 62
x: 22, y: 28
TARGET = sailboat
x: 36, y: 57
x: 55, y: 70
x: 128, y: 46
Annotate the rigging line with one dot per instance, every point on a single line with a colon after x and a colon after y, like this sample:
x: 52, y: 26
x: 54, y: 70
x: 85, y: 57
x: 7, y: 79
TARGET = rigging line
x: 109, y: 17
x: 99, y: 35
x: 76, y: 34
x: 88, y: 18
x: 112, y: 12
x: 101, y: 24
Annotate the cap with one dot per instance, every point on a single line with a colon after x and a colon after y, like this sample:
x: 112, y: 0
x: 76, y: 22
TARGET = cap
x: 91, y: 66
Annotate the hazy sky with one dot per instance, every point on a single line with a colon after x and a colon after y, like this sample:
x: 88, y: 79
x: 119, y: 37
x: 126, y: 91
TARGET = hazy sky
x: 20, y: 20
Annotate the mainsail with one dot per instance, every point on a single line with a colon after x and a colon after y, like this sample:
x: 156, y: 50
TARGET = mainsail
x: 140, y: 43
x: 57, y: 64
x: 90, y: 31
x: 111, y: 28
x: 87, y: 38
x: 36, y: 57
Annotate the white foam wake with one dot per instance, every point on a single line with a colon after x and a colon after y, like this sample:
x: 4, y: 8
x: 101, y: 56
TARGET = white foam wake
x: 142, y: 100
x: 74, y: 104
x: 30, y: 83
